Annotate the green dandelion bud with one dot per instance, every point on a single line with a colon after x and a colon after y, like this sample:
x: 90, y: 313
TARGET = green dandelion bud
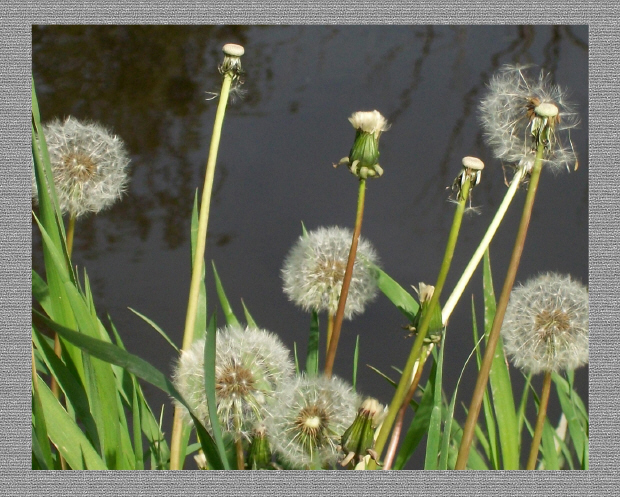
x: 435, y: 327
x: 363, y: 159
x: 259, y: 453
x: 358, y: 440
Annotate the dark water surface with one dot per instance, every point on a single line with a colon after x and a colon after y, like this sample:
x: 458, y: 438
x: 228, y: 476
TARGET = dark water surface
x: 150, y: 84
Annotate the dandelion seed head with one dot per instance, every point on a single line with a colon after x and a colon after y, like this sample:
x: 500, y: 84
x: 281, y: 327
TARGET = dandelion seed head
x: 306, y: 425
x: 517, y: 107
x: 545, y: 327
x: 314, y: 270
x: 250, y: 364
x: 89, y: 166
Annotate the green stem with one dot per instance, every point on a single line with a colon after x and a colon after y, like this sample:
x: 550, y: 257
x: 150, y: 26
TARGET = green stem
x: 390, y: 453
x: 333, y: 341
x: 540, y: 421
x: 194, y: 289
x: 405, y: 379
x: 485, y: 367
x: 330, y: 329
x: 484, y: 244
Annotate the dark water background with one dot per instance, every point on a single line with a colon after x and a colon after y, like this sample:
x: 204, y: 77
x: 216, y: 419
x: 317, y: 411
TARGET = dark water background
x: 149, y: 84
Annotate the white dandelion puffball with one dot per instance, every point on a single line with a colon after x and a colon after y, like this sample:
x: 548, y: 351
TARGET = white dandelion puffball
x: 515, y: 106
x: 545, y: 327
x: 250, y: 364
x: 306, y: 425
x: 89, y: 166
x: 314, y: 270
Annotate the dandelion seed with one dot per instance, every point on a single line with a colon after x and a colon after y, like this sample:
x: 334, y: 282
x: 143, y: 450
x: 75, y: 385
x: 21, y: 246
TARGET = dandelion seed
x: 89, y: 166
x: 307, y: 423
x: 314, y: 270
x: 518, y: 113
x: 250, y: 364
x: 546, y: 324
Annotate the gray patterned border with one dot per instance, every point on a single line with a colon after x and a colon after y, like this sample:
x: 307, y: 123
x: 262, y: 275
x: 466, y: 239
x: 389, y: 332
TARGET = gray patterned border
x: 15, y: 246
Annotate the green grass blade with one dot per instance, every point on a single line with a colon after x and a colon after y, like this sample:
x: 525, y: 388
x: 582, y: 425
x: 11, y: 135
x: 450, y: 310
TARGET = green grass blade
x: 229, y: 315
x: 296, y: 359
x: 209, y: 369
x: 548, y: 450
x: 75, y: 395
x: 499, y: 379
x: 137, y: 430
x: 490, y: 446
x: 248, y: 317
x: 201, y: 309
x: 434, y: 427
x: 156, y: 328
x: 577, y: 425
x: 312, y: 357
x: 41, y: 293
x: 420, y: 424
x: 134, y: 365
x: 475, y: 460
x: 40, y: 442
x: 356, y: 356
x: 67, y: 436
x: 396, y: 294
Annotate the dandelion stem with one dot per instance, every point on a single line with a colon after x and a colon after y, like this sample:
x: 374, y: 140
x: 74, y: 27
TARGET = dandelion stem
x: 484, y: 244
x: 203, y: 220
x: 485, y: 367
x: 330, y: 329
x: 540, y: 421
x: 333, y: 340
x: 398, y: 425
x: 414, y: 355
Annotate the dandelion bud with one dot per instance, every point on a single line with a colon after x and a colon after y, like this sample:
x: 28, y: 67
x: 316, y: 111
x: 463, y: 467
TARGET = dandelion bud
x: 364, y: 155
x: 358, y: 439
x: 259, y: 453
x: 89, y: 166
x: 546, y: 324
x: 435, y: 327
x: 232, y: 61
x: 314, y: 270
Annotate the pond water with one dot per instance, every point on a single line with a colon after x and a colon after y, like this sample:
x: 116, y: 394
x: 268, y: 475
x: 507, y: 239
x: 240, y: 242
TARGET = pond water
x: 151, y: 85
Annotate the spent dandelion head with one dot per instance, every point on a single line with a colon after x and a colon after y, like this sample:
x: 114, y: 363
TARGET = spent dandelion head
x: 306, y: 425
x: 250, y: 364
x: 232, y: 63
x: 89, y: 166
x: 546, y: 324
x: 519, y: 113
x: 358, y: 440
x: 314, y: 270
x: 363, y: 159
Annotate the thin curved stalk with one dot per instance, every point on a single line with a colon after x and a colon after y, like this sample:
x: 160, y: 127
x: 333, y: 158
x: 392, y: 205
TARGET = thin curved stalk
x: 333, y: 341
x: 540, y: 421
x: 485, y: 367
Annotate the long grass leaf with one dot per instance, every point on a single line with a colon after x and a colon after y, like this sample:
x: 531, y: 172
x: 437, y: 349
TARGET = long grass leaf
x: 499, y: 379
x: 136, y: 419
x: 137, y: 366
x: 490, y: 447
x: 156, y: 328
x: 209, y: 370
x: 67, y: 436
x: 248, y: 317
x: 577, y: 428
x: 420, y: 424
x: 433, y: 439
x: 40, y: 442
x: 356, y: 356
x: 403, y: 300
x: 229, y: 315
